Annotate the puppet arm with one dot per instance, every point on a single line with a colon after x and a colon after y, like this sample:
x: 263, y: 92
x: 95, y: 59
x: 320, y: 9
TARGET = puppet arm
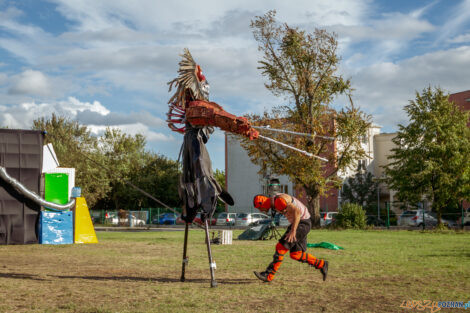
x: 205, y: 113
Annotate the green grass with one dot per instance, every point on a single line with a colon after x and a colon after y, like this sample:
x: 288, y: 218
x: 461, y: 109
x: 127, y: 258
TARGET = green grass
x: 139, y: 272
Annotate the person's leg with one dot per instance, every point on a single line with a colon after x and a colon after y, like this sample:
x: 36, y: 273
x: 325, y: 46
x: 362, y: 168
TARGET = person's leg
x: 298, y: 251
x: 273, y: 267
x: 281, y: 249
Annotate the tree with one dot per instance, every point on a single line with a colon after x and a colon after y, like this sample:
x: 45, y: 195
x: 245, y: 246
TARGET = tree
x: 431, y: 158
x: 124, y: 158
x: 302, y: 68
x: 361, y: 189
x: 220, y: 178
x: 156, y: 174
x: 75, y: 147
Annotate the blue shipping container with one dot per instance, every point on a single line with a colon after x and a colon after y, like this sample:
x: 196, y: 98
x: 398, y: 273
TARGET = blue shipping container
x: 55, y: 228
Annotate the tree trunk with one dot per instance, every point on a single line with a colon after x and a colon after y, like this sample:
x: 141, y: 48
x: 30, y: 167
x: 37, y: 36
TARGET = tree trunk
x: 314, y: 209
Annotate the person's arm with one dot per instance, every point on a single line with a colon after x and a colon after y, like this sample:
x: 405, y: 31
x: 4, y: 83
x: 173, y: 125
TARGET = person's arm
x: 291, y: 237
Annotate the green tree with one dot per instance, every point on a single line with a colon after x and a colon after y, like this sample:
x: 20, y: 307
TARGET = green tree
x: 302, y: 68
x: 75, y: 147
x: 361, y: 189
x: 351, y: 216
x: 124, y: 156
x: 431, y: 158
x: 220, y: 178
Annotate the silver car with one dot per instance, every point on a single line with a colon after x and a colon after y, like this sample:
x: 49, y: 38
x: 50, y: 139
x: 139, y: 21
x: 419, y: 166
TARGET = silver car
x: 226, y: 219
x: 246, y: 219
x: 415, y: 218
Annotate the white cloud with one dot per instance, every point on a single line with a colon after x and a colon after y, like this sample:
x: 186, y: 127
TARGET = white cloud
x: 73, y: 105
x: 383, y: 89
x: 459, y: 18
x: 3, y: 78
x: 87, y: 113
x: 30, y: 82
x: 134, y: 129
x: 465, y: 38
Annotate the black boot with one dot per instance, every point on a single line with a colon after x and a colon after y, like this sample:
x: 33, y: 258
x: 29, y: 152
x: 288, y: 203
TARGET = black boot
x: 324, y: 270
x: 262, y: 276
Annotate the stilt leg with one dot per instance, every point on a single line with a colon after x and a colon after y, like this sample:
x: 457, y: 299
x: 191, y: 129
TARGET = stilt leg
x: 185, y: 258
x: 209, y: 252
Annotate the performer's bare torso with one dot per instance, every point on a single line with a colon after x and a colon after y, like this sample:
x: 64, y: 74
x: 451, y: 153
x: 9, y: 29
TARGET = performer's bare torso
x: 293, y: 208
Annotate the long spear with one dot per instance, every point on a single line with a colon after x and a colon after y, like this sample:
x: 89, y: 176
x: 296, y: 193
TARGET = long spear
x: 292, y: 132
x: 292, y: 148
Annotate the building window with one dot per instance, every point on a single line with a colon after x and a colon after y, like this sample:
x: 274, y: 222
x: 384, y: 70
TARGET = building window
x: 285, y: 188
x: 362, y: 165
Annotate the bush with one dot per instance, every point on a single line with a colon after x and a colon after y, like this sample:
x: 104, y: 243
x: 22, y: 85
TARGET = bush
x: 351, y: 216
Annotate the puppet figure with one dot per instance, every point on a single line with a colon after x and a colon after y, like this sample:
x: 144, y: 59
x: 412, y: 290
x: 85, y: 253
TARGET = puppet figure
x: 191, y: 114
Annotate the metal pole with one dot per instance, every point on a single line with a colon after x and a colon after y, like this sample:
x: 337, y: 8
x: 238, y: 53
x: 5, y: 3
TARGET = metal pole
x: 461, y: 220
x: 293, y: 132
x: 292, y: 148
x: 209, y: 252
x: 424, y: 221
x: 378, y: 205
x: 388, y: 215
x: 185, y: 257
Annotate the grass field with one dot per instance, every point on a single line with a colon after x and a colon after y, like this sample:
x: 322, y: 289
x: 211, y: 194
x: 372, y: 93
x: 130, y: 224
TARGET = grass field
x: 139, y: 272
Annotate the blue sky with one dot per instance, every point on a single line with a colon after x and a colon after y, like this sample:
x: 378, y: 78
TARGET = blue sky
x: 106, y: 63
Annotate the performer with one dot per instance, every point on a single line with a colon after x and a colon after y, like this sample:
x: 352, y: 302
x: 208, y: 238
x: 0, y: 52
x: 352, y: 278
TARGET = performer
x: 295, y: 237
x: 192, y: 114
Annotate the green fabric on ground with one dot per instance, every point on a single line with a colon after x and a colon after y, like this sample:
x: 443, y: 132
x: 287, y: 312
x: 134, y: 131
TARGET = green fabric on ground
x: 326, y: 245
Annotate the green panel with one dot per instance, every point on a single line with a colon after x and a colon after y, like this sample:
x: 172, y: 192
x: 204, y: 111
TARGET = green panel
x: 57, y: 188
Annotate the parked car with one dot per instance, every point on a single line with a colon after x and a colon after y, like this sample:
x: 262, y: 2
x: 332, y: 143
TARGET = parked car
x: 326, y: 218
x: 114, y: 220
x: 165, y: 219
x: 247, y: 219
x: 466, y: 217
x: 226, y: 219
x: 198, y: 220
x: 415, y: 218
x: 281, y: 220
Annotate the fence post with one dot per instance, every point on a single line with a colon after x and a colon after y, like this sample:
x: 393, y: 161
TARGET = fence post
x: 462, y: 218
x: 158, y: 216
x: 102, y: 217
x: 388, y: 214
x: 424, y: 220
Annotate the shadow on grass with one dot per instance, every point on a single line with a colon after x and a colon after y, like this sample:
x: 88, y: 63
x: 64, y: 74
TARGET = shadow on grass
x: 159, y: 279
x: 128, y: 278
x: 21, y: 276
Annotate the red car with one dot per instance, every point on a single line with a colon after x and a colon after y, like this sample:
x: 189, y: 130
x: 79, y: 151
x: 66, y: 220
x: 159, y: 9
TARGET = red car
x: 198, y: 220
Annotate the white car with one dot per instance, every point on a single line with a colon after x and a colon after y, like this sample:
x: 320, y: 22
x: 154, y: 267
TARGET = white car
x: 326, y: 218
x: 281, y: 220
x: 114, y: 220
x: 247, y: 219
x: 226, y: 219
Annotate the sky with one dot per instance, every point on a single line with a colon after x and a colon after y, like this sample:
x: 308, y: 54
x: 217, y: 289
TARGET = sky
x: 107, y: 63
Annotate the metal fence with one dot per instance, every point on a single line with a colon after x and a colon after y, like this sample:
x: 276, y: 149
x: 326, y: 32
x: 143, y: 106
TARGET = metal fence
x: 142, y: 217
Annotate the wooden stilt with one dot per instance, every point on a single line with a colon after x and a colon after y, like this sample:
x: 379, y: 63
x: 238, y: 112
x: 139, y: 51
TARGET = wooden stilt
x: 209, y: 252
x: 185, y: 257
